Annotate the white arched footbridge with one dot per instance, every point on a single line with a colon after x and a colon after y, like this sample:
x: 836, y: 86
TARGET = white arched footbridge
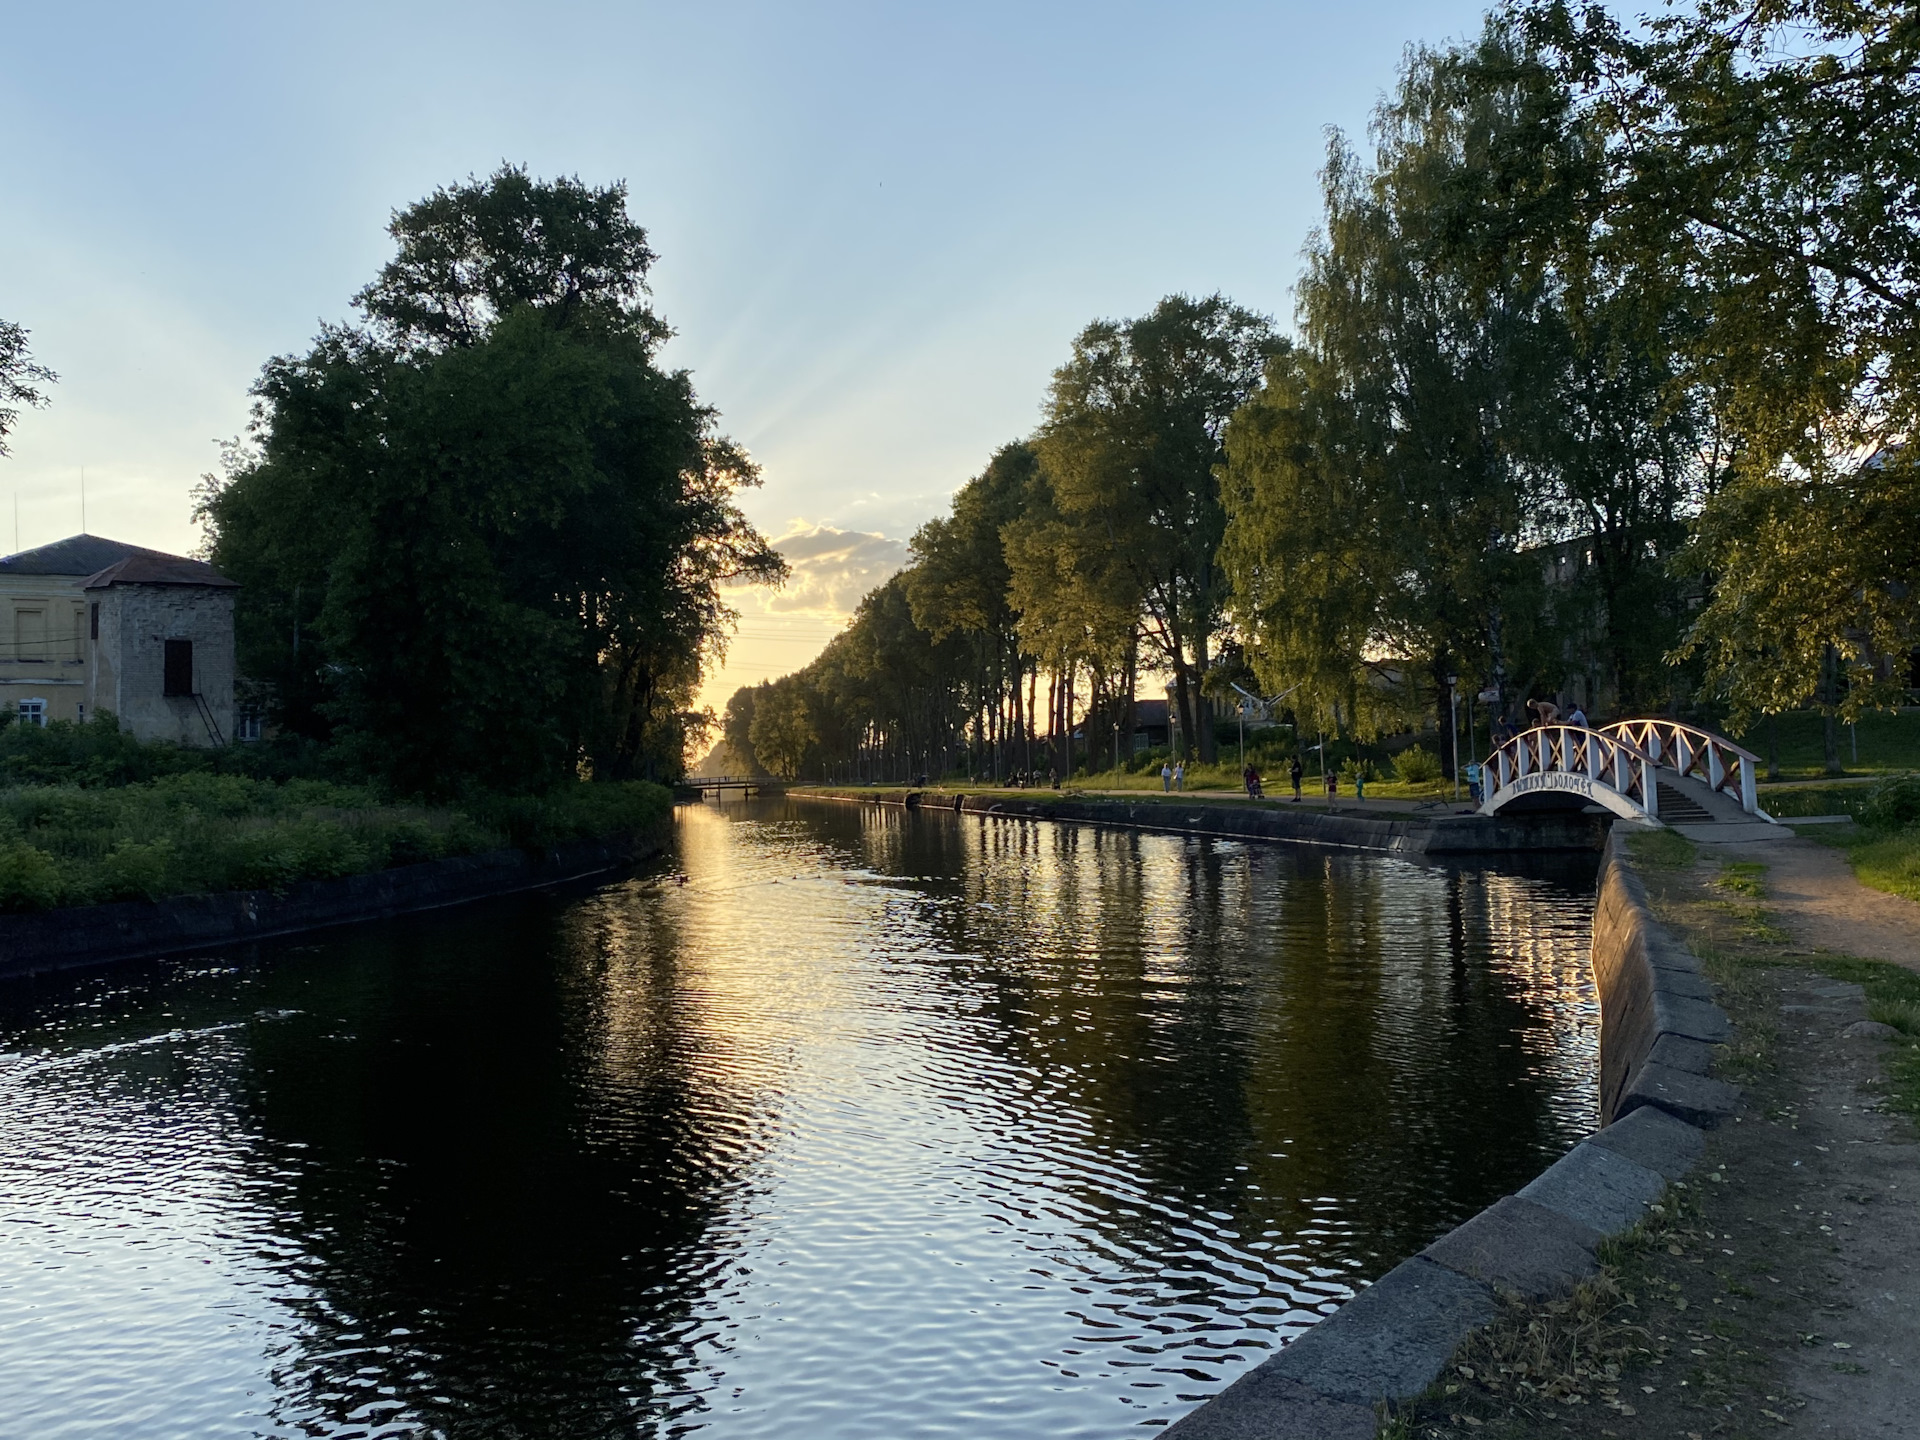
x: 1635, y: 768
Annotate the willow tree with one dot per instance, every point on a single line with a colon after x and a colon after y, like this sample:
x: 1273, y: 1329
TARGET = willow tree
x: 1131, y: 440
x: 482, y: 536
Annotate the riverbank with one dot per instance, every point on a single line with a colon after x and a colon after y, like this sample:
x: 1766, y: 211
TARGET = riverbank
x: 1389, y: 1344
x: 106, y: 934
x: 1783, y: 1295
x: 1355, y: 826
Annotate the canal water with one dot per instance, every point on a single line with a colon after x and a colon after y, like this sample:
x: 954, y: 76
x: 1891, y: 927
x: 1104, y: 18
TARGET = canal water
x: 838, y: 1122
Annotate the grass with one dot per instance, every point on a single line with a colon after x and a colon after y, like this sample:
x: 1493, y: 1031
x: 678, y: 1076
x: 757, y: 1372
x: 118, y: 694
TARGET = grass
x: 1662, y: 849
x: 1888, y: 742
x: 1790, y: 802
x: 199, y: 832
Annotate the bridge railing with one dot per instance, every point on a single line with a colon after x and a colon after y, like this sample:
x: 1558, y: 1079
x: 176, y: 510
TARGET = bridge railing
x: 1601, y: 757
x: 1714, y: 760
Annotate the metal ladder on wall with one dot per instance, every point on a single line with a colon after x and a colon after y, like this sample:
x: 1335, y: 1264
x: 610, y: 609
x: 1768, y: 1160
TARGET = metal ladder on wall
x: 206, y: 718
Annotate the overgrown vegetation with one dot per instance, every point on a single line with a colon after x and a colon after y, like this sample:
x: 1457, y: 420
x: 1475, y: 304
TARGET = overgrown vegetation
x: 88, y: 814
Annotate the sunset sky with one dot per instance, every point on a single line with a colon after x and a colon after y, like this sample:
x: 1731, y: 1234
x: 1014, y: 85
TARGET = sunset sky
x: 879, y: 227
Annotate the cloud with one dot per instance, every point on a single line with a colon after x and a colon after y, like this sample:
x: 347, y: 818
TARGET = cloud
x: 833, y: 569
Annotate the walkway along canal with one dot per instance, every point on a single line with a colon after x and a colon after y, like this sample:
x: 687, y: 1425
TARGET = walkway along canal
x: 877, y: 1123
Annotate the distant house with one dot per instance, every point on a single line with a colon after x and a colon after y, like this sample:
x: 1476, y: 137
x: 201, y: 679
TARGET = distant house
x: 89, y: 624
x: 1150, y: 729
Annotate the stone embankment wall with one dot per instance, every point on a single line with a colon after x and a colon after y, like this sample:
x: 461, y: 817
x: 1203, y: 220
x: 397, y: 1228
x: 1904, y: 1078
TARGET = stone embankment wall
x: 1658, y: 1024
x: 100, y: 934
x: 1387, y: 832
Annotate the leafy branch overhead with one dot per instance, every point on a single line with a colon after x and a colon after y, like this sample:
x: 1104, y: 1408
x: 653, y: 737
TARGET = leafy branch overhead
x: 21, y: 379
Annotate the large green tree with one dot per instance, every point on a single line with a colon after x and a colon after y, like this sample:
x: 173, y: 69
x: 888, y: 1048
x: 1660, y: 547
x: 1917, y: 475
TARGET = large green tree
x: 1131, y: 439
x: 482, y: 535
x: 1478, y: 457
x: 1768, y: 157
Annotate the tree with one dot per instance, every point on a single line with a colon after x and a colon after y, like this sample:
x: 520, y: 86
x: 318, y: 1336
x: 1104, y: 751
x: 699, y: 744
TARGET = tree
x: 958, y: 586
x: 736, y: 725
x: 1475, y: 399
x: 1133, y: 433
x: 1769, y: 158
x: 20, y: 379
x: 782, y: 732
x: 482, y: 536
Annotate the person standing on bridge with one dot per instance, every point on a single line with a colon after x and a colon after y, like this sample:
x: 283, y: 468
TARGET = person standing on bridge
x: 1578, y: 717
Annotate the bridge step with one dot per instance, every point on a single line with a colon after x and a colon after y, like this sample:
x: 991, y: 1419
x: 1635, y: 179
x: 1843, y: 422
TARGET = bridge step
x: 1679, y: 808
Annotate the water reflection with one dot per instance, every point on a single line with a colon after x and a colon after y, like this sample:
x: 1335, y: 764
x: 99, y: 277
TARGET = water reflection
x: 884, y: 1124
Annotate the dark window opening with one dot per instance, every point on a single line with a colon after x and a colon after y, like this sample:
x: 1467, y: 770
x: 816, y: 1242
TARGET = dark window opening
x: 93, y: 620
x: 178, y: 679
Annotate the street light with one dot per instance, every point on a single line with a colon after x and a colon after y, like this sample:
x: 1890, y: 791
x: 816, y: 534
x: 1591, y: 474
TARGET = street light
x: 1453, y: 732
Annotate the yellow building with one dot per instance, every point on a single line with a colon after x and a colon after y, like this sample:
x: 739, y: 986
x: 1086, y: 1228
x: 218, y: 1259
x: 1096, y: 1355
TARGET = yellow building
x: 89, y: 624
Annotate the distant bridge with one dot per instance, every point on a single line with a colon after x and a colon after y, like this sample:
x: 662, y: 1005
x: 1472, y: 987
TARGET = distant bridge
x: 1657, y: 770
x: 719, y: 785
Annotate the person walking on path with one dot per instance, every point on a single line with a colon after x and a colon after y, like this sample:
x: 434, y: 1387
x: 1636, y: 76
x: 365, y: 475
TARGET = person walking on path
x: 1294, y: 772
x: 1333, y: 786
x: 1166, y: 776
x: 1179, y: 775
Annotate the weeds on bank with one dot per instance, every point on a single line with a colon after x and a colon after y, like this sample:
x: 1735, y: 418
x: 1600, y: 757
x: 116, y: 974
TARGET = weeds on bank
x: 63, y: 845
x: 1662, y: 850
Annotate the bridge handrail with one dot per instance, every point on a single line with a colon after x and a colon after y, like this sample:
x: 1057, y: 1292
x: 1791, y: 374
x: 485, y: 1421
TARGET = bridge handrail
x: 1604, y: 758
x: 1722, y: 766
x: 708, y: 781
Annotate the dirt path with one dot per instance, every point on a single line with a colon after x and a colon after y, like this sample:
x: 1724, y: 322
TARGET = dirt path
x: 1823, y: 907
x: 1778, y: 1292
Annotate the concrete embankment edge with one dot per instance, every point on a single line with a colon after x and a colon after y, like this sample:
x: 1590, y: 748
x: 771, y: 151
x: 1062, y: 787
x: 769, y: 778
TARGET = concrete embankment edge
x: 104, y: 934
x: 1385, y: 832
x: 1339, y: 1380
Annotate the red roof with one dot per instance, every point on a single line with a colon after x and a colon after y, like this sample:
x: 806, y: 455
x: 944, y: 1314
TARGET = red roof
x: 151, y: 568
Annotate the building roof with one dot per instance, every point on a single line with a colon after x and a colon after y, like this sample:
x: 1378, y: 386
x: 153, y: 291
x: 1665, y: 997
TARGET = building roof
x: 149, y: 567
x: 75, y: 555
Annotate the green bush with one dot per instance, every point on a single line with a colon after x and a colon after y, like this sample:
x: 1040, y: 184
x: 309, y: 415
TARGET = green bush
x: 1893, y: 804
x: 1417, y: 766
x: 29, y: 878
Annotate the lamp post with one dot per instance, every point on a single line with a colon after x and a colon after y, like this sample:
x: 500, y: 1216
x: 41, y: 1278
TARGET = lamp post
x: 1453, y: 728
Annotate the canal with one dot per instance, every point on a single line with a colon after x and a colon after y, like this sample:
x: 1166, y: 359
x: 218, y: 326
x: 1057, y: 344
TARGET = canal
x: 836, y: 1122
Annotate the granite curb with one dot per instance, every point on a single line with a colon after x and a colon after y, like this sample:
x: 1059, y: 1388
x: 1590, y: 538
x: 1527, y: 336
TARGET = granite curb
x: 1390, y: 1342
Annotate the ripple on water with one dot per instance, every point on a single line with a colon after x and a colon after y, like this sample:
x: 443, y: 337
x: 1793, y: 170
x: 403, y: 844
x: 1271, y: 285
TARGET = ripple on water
x: 881, y: 1125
